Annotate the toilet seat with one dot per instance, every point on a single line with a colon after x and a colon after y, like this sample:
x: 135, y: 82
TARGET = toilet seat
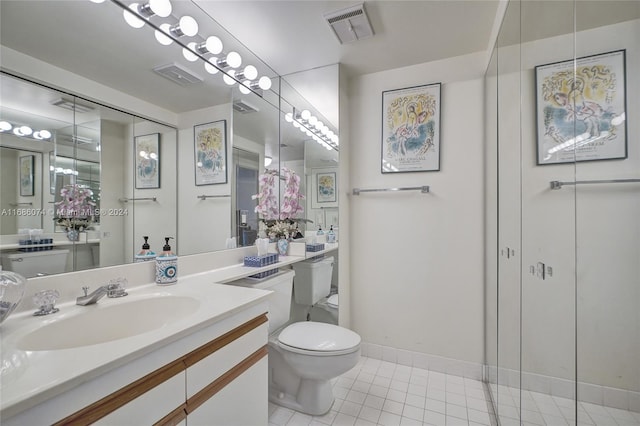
x: 318, y: 339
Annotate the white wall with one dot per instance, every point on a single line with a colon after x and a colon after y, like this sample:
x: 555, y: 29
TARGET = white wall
x: 416, y: 260
x: 203, y: 225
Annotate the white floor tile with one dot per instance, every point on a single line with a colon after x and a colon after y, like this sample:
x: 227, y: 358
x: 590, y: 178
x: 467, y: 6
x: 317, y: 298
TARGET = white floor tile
x: 382, y: 381
x: 344, y: 420
x: 433, y: 418
x: 435, y: 405
x: 415, y: 400
x: 457, y: 411
x: 393, y: 407
x: 389, y: 419
x: 326, y: 419
x: 370, y: 414
x: 407, y: 421
x: 299, y: 419
x: 481, y: 417
x: 365, y: 377
x: 373, y: 401
x: 363, y: 422
x: 412, y: 412
x: 350, y: 408
x: 281, y: 416
x: 417, y: 390
x: 455, y: 421
x: 361, y: 386
x: 454, y: 398
x: 380, y: 391
x: 340, y: 392
x: 399, y: 385
x: 395, y: 395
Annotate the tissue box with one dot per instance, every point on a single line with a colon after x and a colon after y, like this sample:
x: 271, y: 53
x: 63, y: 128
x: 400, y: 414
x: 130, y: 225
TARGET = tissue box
x: 260, y: 261
x: 315, y: 247
x: 264, y: 274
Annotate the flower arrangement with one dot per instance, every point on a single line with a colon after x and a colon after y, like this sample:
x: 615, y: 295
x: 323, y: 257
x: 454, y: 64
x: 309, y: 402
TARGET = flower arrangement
x: 277, y: 229
x: 279, y: 221
x: 76, y: 208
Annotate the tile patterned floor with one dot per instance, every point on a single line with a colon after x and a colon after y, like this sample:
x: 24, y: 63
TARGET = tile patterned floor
x: 377, y: 392
x: 545, y: 410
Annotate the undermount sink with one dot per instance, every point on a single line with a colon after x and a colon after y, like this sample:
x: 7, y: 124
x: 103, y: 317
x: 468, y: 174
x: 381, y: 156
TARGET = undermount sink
x: 104, y: 322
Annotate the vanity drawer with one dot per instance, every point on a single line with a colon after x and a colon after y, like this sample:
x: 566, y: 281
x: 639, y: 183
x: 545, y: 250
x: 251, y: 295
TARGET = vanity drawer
x: 202, y: 372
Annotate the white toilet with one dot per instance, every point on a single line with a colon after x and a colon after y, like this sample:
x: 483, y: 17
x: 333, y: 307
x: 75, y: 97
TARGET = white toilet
x: 326, y: 310
x: 303, y: 356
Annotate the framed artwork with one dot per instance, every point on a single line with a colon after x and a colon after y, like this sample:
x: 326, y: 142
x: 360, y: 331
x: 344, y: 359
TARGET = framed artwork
x: 411, y: 129
x: 210, y: 147
x: 581, y: 115
x: 147, y: 155
x: 27, y: 184
x: 324, y: 188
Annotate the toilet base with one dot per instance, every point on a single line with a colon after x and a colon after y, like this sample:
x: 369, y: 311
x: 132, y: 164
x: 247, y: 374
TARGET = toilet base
x: 313, y: 399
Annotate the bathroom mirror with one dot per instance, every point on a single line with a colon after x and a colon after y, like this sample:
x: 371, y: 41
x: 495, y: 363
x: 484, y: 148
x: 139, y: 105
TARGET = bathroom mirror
x: 46, y: 54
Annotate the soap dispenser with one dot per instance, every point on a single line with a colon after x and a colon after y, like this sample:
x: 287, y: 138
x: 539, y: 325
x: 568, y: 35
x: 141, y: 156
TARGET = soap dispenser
x: 166, y: 265
x: 320, y: 231
x: 331, y: 235
x: 145, y: 254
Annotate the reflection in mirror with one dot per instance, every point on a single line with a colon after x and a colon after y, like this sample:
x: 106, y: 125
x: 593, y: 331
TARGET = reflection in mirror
x: 246, y: 169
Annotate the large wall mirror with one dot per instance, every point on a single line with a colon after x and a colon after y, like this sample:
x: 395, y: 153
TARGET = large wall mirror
x: 152, y: 97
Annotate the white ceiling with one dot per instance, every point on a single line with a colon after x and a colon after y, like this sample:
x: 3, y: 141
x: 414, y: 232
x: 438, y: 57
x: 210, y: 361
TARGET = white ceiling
x: 289, y: 36
x: 292, y: 36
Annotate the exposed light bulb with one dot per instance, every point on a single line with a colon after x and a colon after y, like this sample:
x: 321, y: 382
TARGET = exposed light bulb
x: 213, y: 45
x: 45, y: 134
x: 264, y: 83
x: 296, y: 124
x: 267, y: 161
x: 209, y: 67
x: 288, y: 117
x: 153, y: 156
x: 97, y: 1
x: 5, y: 126
x: 188, y: 53
x: 131, y: 16
x: 188, y: 26
x: 26, y: 130
x: 313, y: 120
x: 319, y: 125
x: 250, y: 72
x: 305, y: 114
x: 162, y: 8
x: 244, y: 89
x: 162, y: 37
x: 143, y: 154
x: 228, y: 78
x: 233, y: 59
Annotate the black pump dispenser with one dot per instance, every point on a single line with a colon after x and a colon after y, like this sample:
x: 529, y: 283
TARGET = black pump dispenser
x: 167, y: 247
x: 146, y: 246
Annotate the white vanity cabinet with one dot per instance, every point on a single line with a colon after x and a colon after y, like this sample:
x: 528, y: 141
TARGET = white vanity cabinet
x: 214, y: 376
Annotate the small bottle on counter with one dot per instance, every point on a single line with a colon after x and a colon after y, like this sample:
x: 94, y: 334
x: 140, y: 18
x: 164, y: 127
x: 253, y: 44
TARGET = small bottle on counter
x: 145, y: 254
x: 331, y: 235
x: 166, y: 265
x: 320, y: 231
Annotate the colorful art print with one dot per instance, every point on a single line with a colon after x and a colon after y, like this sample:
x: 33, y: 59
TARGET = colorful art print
x: 411, y: 129
x: 147, y: 159
x: 325, y: 188
x: 27, y: 183
x: 581, y: 112
x: 210, y: 146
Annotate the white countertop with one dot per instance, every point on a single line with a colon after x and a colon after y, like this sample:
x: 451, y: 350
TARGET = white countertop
x: 47, y: 373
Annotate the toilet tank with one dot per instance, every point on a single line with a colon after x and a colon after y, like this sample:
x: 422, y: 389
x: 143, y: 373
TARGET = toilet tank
x: 36, y: 263
x: 280, y: 301
x: 312, y: 281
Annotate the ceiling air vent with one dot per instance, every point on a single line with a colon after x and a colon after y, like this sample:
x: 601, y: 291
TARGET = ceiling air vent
x: 350, y: 24
x: 178, y: 74
x: 72, y: 105
x: 243, y: 106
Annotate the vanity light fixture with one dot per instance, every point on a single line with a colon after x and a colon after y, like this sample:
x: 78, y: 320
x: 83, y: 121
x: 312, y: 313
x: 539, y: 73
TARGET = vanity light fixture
x: 231, y: 60
x: 24, y: 131
x: 187, y: 26
x: 212, y: 45
x: 314, y: 128
x: 162, y: 8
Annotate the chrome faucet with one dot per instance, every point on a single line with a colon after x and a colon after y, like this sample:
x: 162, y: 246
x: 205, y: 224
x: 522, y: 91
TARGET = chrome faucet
x: 115, y: 288
x: 90, y: 299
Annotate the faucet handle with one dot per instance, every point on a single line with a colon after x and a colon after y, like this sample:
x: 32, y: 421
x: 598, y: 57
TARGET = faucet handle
x: 116, y: 287
x: 45, y: 301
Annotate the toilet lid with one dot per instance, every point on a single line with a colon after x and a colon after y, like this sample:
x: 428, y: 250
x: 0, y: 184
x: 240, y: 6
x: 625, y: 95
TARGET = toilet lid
x: 319, y: 337
x: 333, y: 301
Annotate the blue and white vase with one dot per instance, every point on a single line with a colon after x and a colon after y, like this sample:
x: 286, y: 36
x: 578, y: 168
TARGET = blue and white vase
x: 283, y: 245
x: 73, y: 235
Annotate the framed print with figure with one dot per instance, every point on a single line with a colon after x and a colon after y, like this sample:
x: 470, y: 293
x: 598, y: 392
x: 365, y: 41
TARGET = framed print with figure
x: 581, y: 114
x: 27, y: 183
x: 147, y: 155
x: 210, y: 146
x: 411, y: 129
x: 324, y: 188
